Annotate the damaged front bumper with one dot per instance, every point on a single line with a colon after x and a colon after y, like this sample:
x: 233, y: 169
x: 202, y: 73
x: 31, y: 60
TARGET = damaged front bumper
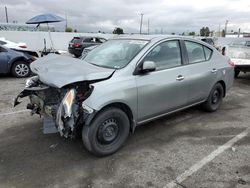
x: 61, y: 110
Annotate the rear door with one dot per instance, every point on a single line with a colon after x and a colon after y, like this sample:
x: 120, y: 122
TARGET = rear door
x: 200, y: 73
x: 164, y: 89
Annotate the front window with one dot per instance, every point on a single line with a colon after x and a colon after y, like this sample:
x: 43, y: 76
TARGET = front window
x: 165, y: 55
x: 115, y: 54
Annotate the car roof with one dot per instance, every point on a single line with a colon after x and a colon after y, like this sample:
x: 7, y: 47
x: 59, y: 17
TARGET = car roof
x: 155, y: 37
x: 84, y: 37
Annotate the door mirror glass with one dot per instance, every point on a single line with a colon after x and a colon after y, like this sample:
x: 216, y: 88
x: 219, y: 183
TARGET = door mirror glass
x: 148, y: 66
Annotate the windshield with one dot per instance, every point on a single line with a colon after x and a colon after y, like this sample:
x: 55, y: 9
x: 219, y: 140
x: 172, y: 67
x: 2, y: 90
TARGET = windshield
x: 115, y: 53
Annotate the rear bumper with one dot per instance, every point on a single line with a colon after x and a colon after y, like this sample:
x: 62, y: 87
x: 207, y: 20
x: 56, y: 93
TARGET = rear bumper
x: 242, y: 64
x: 244, y: 68
x: 75, y: 51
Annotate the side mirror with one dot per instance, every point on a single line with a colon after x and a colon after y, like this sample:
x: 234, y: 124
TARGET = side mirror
x: 148, y: 66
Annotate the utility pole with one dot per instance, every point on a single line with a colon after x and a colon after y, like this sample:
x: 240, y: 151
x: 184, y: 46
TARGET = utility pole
x: 141, y: 22
x: 148, y: 26
x: 219, y: 31
x: 226, y: 27
x: 66, y: 19
x: 6, y: 14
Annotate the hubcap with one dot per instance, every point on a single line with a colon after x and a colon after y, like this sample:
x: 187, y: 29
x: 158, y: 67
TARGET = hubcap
x: 215, y: 97
x: 108, y: 131
x: 22, y: 69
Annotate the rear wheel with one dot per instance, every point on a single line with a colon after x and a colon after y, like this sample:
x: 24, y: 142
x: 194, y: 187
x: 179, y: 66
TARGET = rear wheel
x: 107, y: 132
x: 215, y: 98
x: 77, y: 56
x: 236, y: 73
x: 20, y: 69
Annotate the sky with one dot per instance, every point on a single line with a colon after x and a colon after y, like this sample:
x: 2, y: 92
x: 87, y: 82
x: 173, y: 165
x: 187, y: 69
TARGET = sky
x: 167, y: 16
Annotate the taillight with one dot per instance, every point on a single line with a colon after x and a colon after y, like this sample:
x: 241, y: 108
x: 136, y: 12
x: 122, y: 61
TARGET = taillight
x: 230, y: 62
x: 76, y: 44
x: 22, y: 46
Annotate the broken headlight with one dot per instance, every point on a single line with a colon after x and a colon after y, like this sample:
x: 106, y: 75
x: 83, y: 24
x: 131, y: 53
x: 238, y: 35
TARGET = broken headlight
x: 68, y: 102
x: 31, y: 81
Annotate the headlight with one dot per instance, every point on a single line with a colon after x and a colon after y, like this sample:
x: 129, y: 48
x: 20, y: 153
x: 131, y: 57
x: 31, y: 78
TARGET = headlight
x: 31, y: 81
x: 68, y: 102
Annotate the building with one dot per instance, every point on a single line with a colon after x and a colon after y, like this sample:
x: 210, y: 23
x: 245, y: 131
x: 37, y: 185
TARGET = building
x: 24, y: 27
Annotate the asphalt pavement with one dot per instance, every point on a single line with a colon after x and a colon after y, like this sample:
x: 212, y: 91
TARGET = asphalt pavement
x: 189, y: 149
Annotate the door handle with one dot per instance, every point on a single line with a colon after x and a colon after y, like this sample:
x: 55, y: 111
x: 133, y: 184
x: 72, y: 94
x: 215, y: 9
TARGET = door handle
x: 214, y: 70
x: 180, y: 78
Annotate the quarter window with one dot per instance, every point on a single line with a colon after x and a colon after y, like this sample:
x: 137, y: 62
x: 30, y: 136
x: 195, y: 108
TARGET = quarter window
x: 165, y: 55
x: 208, y: 52
x: 195, y: 52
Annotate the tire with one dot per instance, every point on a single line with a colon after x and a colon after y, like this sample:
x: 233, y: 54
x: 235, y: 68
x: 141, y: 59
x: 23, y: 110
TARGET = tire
x: 236, y: 73
x: 107, y: 132
x: 214, y: 99
x: 77, y: 55
x: 20, y: 69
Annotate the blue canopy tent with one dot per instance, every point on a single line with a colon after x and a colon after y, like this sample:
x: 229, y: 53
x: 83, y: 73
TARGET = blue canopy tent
x: 46, y: 18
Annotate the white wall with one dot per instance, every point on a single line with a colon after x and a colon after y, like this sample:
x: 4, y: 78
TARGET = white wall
x: 34, y: 40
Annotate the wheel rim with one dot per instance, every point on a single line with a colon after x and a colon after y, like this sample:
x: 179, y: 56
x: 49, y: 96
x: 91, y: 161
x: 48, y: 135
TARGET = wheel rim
x: 216, y: 97
x: 22, y: 70
x: 108, y: 131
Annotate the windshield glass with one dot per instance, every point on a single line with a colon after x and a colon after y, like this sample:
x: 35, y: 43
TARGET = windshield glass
x: 115, y: 53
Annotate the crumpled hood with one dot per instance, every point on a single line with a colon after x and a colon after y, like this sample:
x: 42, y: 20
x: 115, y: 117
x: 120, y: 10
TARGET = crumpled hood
x: 58, y: 71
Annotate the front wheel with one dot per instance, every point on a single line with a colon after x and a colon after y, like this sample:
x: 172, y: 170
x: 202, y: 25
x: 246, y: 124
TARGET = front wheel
x: 214, y: 99
x: 107, y: 132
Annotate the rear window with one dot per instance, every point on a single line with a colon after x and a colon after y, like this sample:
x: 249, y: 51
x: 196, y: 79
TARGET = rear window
x: 197, y: 52
x: 208, y: 52
x: 76, y: 40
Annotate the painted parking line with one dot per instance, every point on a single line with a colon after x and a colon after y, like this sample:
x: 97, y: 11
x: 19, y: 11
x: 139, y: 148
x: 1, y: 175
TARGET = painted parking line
x: 207, y: 159
x: 11, y: 113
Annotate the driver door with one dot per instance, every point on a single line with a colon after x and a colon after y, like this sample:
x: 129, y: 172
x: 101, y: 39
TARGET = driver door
x: 165, y: 89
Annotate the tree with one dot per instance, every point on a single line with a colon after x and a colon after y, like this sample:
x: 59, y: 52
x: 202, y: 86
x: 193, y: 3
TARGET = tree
x: 118, y: 31
x: 204, y: 31
x: 191, y: 33
x: 68, y: 29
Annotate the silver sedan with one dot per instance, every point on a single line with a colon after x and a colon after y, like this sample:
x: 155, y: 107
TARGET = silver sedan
x: 123, y: 83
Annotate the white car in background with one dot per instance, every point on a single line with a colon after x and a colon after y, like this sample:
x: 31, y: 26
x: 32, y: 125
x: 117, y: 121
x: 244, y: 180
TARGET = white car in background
x: 12, y: 45
x: 239, y: 53
x: 21, y: 47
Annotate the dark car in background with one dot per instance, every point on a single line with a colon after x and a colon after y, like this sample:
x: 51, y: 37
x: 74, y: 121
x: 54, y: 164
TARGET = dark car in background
x: 87, y: 50
x: 208, y: 40
x: 77, y: 44
x: 16, y: 63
